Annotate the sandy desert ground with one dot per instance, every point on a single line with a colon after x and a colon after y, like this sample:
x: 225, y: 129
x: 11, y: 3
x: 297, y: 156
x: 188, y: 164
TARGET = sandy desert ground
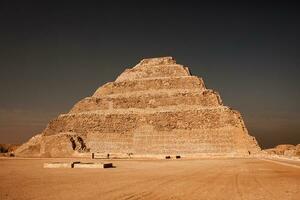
x: 151, y: 179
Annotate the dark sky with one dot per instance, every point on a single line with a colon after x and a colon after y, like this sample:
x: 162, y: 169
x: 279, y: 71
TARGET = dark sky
x: 54, y: 54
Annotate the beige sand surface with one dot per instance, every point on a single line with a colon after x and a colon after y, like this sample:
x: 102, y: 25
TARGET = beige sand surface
x: 151, y: 179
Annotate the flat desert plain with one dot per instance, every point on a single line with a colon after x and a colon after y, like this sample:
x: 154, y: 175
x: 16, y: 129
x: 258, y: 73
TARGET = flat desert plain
x: 151, y: 179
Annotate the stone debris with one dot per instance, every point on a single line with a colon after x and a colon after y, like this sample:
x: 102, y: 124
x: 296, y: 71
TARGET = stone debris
x: 156, y: 108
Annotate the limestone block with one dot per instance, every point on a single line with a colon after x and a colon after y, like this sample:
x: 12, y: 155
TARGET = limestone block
x: 92, y: 165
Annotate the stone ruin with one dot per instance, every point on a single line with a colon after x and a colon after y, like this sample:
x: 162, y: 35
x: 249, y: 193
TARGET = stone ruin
x: 286, y: 150
x: 156, y: 108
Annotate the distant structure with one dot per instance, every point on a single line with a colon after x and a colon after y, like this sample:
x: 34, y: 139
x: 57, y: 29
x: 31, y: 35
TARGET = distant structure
x: 155, y: 108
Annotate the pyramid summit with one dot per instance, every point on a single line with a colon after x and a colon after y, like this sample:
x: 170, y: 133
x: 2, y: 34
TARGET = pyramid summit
x: 155, y: 108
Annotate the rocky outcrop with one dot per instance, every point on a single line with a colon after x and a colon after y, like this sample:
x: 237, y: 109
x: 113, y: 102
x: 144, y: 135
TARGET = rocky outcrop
x: 8, y: 149
x: 154, y: 108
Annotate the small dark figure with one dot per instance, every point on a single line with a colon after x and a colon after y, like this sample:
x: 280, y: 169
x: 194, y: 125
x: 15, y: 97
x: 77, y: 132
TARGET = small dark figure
x: 82, y: 144
x: 168, y: 157
x: 73, y: 143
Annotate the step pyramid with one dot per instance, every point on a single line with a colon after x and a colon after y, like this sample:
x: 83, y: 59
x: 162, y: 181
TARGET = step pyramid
x: 155, y: 108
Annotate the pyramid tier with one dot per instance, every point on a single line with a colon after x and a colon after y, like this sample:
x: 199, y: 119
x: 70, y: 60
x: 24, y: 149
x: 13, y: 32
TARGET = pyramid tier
x: 125, y: 120
x: 206, y: 98
x: 146, y: 140
x: 153, y: 71
x: 150, y: 84
x: 157, y: 61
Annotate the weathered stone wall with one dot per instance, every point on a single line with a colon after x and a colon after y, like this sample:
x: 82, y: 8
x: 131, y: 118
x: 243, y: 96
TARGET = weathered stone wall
x: 147, y: 140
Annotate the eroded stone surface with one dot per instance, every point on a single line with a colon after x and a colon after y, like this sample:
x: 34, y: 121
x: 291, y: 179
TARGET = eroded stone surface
x: 154, y: 108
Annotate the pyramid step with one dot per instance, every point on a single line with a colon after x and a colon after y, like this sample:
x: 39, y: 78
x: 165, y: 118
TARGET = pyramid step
x: 122, y: 121
x: 184, y: 82
x: 207, y: 98
x: 153, y: 71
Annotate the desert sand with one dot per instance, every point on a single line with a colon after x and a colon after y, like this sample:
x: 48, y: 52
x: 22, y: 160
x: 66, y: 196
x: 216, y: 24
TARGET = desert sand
x: 248, y: 178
